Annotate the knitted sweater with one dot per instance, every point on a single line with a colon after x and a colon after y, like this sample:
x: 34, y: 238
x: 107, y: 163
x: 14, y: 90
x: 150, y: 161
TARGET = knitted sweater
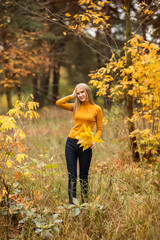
x: 87, y: 114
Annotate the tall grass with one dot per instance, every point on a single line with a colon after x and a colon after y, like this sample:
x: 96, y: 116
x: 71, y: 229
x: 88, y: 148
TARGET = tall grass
x: 123, y: 196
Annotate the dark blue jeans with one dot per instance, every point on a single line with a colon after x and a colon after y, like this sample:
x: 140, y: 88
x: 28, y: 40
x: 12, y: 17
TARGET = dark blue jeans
x: 72, y: 152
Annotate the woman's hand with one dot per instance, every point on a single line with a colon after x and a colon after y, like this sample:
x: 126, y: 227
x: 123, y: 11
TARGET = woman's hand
x: 93, y: 145
x: 73, y: 95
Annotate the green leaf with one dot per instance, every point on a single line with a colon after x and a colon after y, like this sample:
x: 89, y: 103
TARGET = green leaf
x: 38, y: 224
x: 15, y: 184
x: 56, y: 229
x: 53, y: 165
x: 46, y: 235
x: 23, y: 220
x: 47, y: 226
x: 38, y: 230
x: 76, y: 212
x: 58, y: 221
x: 75, y: 201
x: 55, y: 216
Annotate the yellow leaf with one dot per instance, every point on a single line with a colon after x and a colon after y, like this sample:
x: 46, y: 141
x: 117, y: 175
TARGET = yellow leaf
x: 9, y: 139
x: 67, y: 14
x: 31, y: 95
x: 97, y: 140
x: 75, y: 16
x: 21, y: 157
x: 21, y: 135
x: 97, y: 198
x: 124, y: 8
x: 8, y: 2
x: 80, y: 2
x: 85, y: 18
x: 4, y: 192
x: 7, y: 123
x: 35, y: 192
x: 130, y: 92
x: 9, y: 164
x: 30, y: 105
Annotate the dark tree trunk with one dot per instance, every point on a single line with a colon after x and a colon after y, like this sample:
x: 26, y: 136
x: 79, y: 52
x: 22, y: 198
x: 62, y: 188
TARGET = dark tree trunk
x: 131, y: 127
x: 35, y: 88
x: 19, y: 92
x: 9, y: 97
x: 56, y: 76
x: 44, y: 86
x: 99, y: 64
x: 144, y: 31
x: 6, y: 72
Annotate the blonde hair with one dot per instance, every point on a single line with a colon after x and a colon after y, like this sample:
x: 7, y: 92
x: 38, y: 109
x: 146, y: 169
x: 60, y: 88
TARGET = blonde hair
x: 78, y: 103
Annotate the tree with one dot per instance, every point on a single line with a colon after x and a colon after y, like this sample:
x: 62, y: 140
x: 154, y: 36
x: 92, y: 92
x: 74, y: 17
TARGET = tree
x: 139, y: 82
x: 59, y: 55
x: 19, y: 59
x: 129, y: 98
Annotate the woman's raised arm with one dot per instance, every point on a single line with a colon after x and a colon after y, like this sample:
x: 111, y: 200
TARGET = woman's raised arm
x: 63, y: 103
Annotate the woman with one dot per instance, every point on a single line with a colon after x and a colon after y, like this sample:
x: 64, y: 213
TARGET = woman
x: 85, y: 111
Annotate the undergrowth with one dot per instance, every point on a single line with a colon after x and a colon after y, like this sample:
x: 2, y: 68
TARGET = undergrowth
x: 123, y: 196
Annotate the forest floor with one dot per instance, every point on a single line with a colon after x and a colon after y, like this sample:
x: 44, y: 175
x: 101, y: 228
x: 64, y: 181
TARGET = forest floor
x: 124, y: 197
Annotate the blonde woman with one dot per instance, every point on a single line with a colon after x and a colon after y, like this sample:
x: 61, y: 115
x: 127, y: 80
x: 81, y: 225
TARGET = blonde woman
x: 85, y: 111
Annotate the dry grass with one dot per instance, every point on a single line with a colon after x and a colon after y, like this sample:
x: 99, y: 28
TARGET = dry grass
x: 123, y: 196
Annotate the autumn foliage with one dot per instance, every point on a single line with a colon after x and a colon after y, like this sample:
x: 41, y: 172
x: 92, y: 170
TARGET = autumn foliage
x: 12, y: 136
x: 145, y: 82
x: 87, y: 137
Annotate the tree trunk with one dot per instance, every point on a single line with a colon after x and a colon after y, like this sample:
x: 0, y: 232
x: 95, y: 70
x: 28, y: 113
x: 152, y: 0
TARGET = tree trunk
x: 35, y: 88
x: 19, y: 92
x: 6, y: 72
x: 56, y: 76
x: 9, y: 97
x: 98, y: 58
x: 131, y: 127
x: 44, y: 86
x: 144, y: 31
x: 107, y: 100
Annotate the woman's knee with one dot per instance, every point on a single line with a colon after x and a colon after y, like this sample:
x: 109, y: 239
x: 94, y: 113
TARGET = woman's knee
x: 83, y: 177
x: 72, y: 177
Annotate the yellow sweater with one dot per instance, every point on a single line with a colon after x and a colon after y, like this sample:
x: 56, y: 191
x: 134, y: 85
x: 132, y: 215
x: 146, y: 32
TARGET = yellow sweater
x: 87, y: 114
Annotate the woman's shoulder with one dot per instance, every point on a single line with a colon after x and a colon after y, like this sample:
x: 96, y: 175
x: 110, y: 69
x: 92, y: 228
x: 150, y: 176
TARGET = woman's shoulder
x: 97, y: 107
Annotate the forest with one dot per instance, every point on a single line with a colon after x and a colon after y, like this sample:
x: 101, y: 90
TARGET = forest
x: 46, y: 49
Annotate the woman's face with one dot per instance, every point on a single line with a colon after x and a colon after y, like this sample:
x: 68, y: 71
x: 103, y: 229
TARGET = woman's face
x: 81, y: 94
